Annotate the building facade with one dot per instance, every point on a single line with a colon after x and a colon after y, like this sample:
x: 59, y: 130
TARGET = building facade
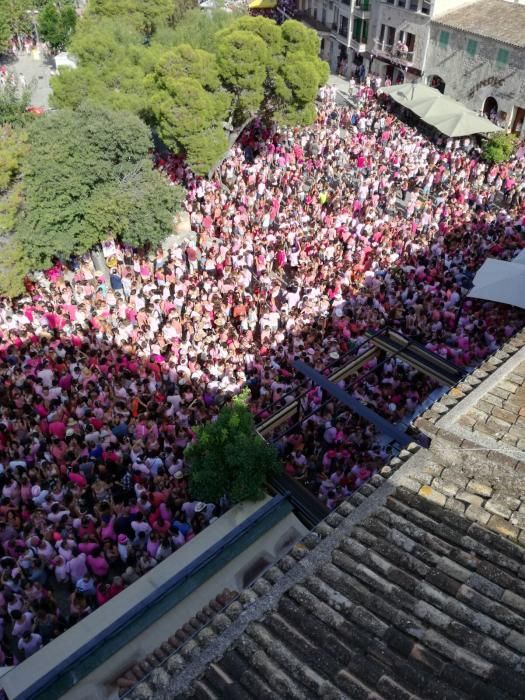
x: 477, y: 55
x: 388, y: 37
x: 343, y: 27
x: 472, y: 50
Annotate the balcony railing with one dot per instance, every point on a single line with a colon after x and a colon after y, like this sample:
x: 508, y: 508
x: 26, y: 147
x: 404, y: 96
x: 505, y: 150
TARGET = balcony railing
x: 311, y: 21
x: 358, y: 44
x: 396, y: 52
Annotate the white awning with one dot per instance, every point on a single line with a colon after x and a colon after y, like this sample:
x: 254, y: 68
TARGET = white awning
x: 501, y: 281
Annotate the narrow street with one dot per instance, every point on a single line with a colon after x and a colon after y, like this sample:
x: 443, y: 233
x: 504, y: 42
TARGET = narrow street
x: 36, y: 73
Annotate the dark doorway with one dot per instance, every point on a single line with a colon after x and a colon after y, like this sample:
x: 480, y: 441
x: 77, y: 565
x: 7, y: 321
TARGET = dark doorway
x: 490, y: 108
x: 437, y: 83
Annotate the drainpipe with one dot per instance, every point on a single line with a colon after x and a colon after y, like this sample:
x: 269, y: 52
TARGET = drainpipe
x: 424, y: 64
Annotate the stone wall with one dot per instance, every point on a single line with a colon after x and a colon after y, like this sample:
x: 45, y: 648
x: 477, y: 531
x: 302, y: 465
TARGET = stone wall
x: 472, y: 79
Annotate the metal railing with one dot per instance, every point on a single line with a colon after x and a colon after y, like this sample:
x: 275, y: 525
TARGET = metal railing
x: 338, y: 369
x: 382, y: 48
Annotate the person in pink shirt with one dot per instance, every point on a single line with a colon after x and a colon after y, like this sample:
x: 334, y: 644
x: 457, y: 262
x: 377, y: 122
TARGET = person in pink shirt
x: 97, y: 563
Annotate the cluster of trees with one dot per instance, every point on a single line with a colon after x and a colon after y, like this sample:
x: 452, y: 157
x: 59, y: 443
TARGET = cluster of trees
x: 84, y: 172
x: 196, y: 81
x: 70, y: 180
x: 56, y: 23
x: 54, y: 19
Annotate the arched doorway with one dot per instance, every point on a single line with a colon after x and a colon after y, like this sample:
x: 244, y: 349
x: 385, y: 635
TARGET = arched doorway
x: 437, y: 83
x: 490, y: 108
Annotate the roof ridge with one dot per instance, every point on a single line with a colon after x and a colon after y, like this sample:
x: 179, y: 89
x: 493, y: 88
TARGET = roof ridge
x: 252, y: 603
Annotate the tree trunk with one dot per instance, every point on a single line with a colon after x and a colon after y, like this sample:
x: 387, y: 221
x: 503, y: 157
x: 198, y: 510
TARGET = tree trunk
x: 232, y: 138
x: 99, y: 263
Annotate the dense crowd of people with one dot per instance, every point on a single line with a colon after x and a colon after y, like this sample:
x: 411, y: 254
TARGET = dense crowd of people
x: 306, y: 239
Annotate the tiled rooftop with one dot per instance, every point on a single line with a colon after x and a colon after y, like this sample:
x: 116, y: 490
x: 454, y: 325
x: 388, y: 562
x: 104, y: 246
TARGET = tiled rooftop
x: 414, y: 588
x: 419, y: 602
x: 476, y: 464
x: 501, y: 411
x: 496, y: 19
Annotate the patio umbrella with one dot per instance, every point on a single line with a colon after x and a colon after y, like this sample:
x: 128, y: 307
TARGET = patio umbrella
x: 501, y: 281
x: 464, y: 123
x: 408, y: 93
x: 436, y: 108
x: 440, y: 111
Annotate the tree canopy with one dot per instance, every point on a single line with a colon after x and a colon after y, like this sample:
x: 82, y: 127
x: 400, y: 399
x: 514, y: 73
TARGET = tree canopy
x: 14, y: 149
x: 14, y: 102
x: 230, y: 458
x: 5, y: 33
x: 112, y: 62
x: 257, y: 66
x: 198, y: 82
x: 14, y: 14
x: 145, y: 16
x: 56, y: 23
x: 90, y: 177
x: 499, y: 147
x: 196, y: 28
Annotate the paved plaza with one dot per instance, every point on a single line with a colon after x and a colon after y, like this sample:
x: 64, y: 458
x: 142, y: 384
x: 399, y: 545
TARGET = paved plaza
x: 37, y: 73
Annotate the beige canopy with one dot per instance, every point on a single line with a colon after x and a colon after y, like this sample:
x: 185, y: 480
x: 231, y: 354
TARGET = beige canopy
x: 440, y: 111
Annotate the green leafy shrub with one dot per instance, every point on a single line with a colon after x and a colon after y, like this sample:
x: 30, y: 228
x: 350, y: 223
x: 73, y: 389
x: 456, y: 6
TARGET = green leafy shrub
x: 499, y: 148
x: 229, y: 457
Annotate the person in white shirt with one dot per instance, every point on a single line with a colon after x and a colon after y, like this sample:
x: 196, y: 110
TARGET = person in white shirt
x: 30, y: 643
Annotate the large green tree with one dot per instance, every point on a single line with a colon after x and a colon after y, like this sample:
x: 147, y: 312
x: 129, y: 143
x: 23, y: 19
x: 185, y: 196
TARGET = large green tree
x: 242, y: 59
x: 5, y: 34
x: 91, y: 177
x: 258, y: 67
x: 144, y: 15
x: 189, y: 105
x: 230, y: 458
x: 56, y: 23
x: 199, y: 83
x: 112, y: 63
x: 302, y: 72
x: 14, y: 151
x: 196, y: 28
x: 292, y: 70
x: 15, y: 15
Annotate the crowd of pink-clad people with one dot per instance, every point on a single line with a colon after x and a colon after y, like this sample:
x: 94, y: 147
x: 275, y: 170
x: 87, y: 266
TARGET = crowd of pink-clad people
x: 304, y: 240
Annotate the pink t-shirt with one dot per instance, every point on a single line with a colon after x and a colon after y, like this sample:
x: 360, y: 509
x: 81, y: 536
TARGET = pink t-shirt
x: 98, y: 565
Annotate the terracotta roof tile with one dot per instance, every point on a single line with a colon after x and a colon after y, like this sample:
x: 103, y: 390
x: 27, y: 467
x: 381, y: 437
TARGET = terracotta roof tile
x: 419, y: 602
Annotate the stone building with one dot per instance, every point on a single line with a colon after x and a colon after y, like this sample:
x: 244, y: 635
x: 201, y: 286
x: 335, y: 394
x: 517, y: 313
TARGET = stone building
x: 473, y: 50
x: 477, y: 55
x: 343, y: 27
x: 400, y: 37
x: 374, y: 33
